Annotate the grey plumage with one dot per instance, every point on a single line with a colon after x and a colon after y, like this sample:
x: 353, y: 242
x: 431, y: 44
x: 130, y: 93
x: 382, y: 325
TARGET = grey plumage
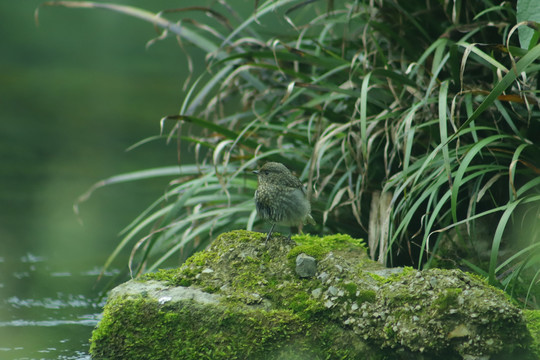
x: 280, y: 197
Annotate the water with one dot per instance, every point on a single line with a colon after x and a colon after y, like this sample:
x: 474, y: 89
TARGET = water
x: 48, y: 311
x: 75, y: 92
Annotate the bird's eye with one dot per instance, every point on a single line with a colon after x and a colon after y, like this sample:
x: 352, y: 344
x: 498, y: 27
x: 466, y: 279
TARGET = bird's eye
x: 266, y: 172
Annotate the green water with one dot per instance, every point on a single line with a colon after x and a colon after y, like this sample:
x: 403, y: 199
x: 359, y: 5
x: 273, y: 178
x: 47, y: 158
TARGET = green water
x: 75, y: 92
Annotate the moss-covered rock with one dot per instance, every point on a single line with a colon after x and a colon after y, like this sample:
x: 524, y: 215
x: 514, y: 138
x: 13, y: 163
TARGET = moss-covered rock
x: 533, y: 323
x: 240, y: 299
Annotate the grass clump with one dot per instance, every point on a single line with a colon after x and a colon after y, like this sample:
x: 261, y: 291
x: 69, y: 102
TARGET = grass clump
x: 363, y: 101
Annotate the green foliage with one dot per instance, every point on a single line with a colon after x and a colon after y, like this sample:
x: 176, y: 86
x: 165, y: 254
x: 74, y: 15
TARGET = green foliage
x: 435, y: 105
x: 528, y: 15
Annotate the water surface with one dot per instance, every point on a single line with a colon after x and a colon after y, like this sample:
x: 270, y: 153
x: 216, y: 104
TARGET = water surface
x: 75, y: 93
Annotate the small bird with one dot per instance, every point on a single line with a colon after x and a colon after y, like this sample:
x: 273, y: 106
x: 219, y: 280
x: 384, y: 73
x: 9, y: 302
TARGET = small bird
x: 280, y: 197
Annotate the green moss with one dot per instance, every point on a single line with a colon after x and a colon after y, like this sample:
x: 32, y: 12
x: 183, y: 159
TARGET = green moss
x: 210, y: 289
x: 161, y: 275
x: 240, y: 266
x: 318, y: 247
x: 212, y: 333
x: 404, y: 273
x: 358, y: 295
x: 201, y: 258
x: 184, y: 282
x: 331, y: 242
x: 299, y: 302
x: 366, y: 296
x: 351, y: 289
x: 314, y: 250
x: 254, y: 276
x: 533, y: 324
x: 389, y: 332
x: 479, y: 278
x: 267, y: 312
x: 378, y: 278
x: 448, y: 299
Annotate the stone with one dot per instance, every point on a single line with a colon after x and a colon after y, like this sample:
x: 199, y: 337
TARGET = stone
x: 306, y: 266
x: 316, y: 293
x: 254, y: 306
x: 323, y: 276
x: 387, y: 272
x: 332, y: 290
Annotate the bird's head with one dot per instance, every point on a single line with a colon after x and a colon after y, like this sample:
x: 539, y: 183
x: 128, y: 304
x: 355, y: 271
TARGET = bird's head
x: 272, y: 173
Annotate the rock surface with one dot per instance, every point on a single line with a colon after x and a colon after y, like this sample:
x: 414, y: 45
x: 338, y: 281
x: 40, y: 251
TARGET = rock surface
x: 306, y: 266
x: 240, y: 299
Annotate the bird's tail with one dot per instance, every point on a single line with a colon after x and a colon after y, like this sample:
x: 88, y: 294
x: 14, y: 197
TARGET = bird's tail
x: 310, y: 220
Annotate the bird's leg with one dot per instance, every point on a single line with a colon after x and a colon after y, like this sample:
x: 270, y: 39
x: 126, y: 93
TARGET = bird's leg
x: 269, y: 233
x: 289, y: 237
x: 290, y: 233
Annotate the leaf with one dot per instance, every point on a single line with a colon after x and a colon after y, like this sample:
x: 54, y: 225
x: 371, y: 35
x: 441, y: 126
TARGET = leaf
x: 495, y: 245
x: 128, y: 177
x: 464, y: 167
x: 191, y: 36
x: 502, y: 85
x: 443, y: 110
x: 528, y: 11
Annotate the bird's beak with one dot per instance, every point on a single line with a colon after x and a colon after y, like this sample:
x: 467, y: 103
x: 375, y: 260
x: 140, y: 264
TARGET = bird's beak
x: 256, y: 172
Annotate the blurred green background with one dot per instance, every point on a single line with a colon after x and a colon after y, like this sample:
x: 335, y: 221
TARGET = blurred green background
x: 76, y: 92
